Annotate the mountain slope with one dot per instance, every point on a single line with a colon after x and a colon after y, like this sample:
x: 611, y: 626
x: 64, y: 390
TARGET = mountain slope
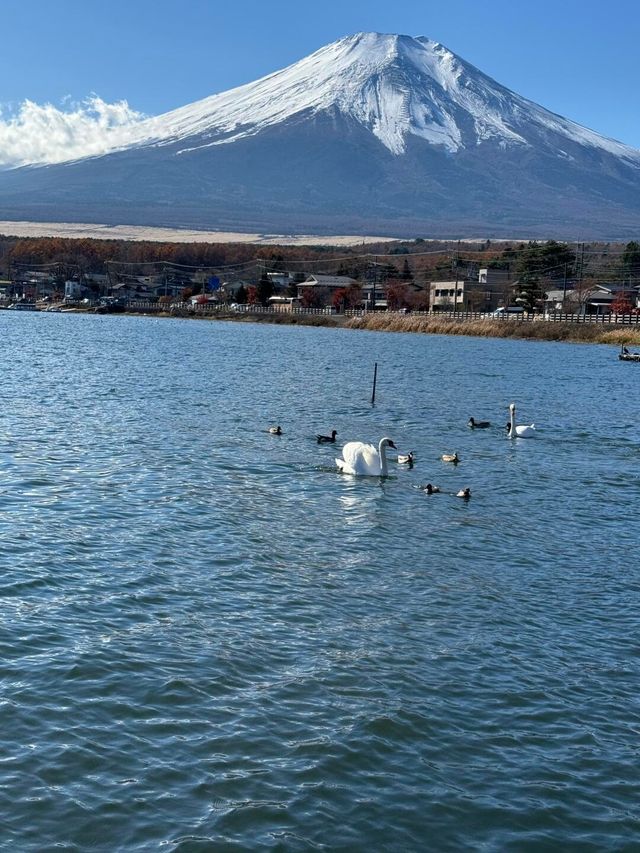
x: 377, y: 133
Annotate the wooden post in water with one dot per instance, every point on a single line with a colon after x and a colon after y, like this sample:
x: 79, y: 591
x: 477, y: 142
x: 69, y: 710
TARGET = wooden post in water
x: 375, y: 376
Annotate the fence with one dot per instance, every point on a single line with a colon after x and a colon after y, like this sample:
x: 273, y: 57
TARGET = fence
x: 460, y: 316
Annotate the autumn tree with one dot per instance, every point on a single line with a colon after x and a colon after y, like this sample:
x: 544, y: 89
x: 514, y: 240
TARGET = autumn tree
x: 397, y: 293
x: 314, y: 297
x: 622, y: 304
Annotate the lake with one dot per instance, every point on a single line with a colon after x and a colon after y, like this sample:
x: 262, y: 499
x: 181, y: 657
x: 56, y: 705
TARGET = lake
x: 211, y: 640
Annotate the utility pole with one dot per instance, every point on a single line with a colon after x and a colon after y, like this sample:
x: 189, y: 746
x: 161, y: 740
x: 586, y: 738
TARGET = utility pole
x: 455, y: 293
x: 375, y: 279
x: 580, y: 264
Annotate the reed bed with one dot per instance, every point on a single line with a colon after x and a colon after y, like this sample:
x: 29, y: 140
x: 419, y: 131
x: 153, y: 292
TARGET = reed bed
x: 540, y: 331
x: 433, y: 325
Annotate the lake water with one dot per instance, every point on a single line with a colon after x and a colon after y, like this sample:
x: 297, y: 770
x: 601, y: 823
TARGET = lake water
x: 210, y: 640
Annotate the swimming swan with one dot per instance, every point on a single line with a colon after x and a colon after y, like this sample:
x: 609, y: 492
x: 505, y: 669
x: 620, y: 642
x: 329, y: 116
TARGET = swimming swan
x: 324, y: 439
x: 364, y: 459
x: 519, y: 431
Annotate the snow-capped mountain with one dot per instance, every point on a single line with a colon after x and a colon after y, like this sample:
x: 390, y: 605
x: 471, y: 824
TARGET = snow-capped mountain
x: 383, y: 133
x: 394, y: 86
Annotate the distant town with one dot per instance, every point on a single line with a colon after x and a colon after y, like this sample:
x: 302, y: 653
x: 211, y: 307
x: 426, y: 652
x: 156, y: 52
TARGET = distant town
x: 534, y: 278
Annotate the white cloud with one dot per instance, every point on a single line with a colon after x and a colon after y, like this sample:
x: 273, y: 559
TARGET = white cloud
x: 45, y: 134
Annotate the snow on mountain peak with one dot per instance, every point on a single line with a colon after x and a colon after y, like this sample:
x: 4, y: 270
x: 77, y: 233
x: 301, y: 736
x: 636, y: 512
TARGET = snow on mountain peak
x: 393, y: 85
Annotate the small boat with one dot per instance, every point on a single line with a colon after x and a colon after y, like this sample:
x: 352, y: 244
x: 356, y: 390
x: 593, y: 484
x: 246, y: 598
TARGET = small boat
x: 626, y: 355
x: 23, y: 305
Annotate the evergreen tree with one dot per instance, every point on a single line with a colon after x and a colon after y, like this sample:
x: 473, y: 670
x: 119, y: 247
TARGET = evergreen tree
x: 407, y: 275
x: 544, y: 259
x: 631, y: 259
x: 264, y: 289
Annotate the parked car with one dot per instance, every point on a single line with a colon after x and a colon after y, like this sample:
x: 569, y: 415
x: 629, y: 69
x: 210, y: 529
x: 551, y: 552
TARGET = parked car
x: 512, y: 309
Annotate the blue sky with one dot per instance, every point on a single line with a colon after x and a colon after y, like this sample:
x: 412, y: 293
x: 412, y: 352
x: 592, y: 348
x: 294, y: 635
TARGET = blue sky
x: 579, y: 59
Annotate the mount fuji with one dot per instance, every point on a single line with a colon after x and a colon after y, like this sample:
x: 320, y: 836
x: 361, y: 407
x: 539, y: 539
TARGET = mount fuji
x: 383, y: 134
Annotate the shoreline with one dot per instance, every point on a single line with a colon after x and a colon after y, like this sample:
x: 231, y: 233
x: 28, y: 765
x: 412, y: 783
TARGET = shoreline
x: 593, y: 333
x: 609, y: 334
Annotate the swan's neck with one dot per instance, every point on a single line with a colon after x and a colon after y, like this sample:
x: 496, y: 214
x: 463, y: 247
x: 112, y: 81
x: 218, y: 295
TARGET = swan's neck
x: 512, y: 422
x: 382, y: 452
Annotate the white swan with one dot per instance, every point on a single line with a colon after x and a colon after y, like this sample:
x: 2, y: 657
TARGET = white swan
x: 364, y: 459
x: 519, y: 431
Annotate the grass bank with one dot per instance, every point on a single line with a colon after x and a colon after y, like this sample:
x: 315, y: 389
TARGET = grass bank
x: 277, y: 318
x: 593, y: 333
x: 540, y: 331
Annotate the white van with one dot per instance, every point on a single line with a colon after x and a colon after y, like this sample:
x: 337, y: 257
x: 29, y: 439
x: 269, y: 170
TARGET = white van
x: 512, y: 309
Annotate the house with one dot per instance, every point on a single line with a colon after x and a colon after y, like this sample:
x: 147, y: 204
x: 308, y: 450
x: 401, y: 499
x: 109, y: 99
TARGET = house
x: 132, y: 289
x: 492, y: 288
x: 328, y: 282
x: 590, y: 300
x: 279, y: 280
x: 600, y: 299
x: 317, y: 289
x: 73, y: 290
x: 563, y: 299
x: 374, y: 296
x: 97, y: 281
x: 230, y: 288
x: 447, y: 295
x: 494, y: 277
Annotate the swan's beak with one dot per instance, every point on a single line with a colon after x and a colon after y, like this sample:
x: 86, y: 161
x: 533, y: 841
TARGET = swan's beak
x: 391, y: 444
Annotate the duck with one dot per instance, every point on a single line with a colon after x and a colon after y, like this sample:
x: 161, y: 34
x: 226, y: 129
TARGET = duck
x: 474, y: 424
x: 275, y: 430
x: 520, y: 431
x: 327, y: 439
x: 430, y: 489
x: 450, y: 457
x: 406, y: 459
x: 464, y: 493
x: 363, y: 459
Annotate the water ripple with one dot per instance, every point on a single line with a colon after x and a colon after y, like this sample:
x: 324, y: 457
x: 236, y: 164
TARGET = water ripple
x: 211, y: 640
